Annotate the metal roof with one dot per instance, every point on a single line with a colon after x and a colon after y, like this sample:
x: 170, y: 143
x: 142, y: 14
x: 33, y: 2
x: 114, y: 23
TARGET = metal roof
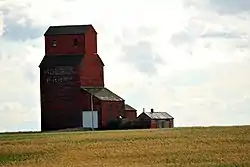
x: 61, y: 60
x: 68, y: 29
x: 128, y: 107
x: 103, y: 93
x: 158, y: 115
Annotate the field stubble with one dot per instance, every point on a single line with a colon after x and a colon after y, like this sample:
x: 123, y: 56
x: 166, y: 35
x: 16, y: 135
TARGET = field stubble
x: 213, y: 146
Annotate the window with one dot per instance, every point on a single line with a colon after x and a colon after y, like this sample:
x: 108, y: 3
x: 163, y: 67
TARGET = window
x: 54, y: 43
x: 76, y: 43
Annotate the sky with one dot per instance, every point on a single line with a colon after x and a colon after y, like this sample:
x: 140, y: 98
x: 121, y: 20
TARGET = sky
x: 190, y: 58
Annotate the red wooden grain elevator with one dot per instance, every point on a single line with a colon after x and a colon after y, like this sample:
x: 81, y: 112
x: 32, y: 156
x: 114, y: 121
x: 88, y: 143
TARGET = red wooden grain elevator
x: 72, y: 90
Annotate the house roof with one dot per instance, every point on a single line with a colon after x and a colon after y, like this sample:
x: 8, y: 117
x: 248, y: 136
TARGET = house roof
x: 68, y: 29
x: 61, y: 60
x: 158, y: 115
x: 103, y: 93
x: 128, y: 107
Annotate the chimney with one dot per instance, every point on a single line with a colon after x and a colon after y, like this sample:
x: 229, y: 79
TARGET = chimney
x: 152, y: 110
x: 143, y: 110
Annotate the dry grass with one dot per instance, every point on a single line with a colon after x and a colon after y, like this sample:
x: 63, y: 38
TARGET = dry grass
x: 199, y: 147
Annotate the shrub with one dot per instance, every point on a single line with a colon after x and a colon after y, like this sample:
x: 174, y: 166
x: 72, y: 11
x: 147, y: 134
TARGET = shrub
x: 114, y: 124
x: 118, y: 124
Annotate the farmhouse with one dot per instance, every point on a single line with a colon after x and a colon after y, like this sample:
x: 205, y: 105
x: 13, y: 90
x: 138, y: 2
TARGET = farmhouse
x: 156, y: 119
x: 72, y: 89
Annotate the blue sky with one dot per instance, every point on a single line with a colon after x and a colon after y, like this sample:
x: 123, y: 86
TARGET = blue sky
x: 189, y: 58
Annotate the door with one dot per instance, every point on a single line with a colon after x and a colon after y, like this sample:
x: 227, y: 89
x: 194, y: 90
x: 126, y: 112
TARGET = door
x: 90, y: 119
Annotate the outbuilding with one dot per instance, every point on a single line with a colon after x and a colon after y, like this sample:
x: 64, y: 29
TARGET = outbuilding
x: 130, y: 112
x: 156, y: 119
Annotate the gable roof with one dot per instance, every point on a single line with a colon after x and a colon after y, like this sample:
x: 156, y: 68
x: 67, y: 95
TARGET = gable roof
x: 128, y: 107
x: 103, y: 93
x: 158, y: 115
x: 68, y: 29
x: 61, y: 60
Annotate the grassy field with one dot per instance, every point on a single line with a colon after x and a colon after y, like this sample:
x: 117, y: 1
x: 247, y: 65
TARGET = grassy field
x: 199, y: 147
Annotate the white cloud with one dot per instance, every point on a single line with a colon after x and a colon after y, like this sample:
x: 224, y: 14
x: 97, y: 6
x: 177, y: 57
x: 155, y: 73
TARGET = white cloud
x: 19, y: 97
x: 17, y: 117
x: 199, y: 58
x: 1, y: 24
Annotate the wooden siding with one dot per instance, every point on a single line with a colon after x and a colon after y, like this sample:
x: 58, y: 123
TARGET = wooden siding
x: 60, y: 94
x: 162, y: 123
x: 107, y: 110
x: 130, y: 114
x: 64, y: 44
x: 110, y: 111
x: 171, y: 123
x: 91, y: 71
x: 145, y: 120
x: 91, y: 41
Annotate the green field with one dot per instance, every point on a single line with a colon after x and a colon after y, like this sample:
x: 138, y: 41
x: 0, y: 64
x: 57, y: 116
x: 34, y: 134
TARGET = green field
x: 199, y: 147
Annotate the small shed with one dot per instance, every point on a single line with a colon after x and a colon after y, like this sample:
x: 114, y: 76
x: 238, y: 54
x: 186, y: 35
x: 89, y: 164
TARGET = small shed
x: 130, y: 112
x: 156, y: 119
